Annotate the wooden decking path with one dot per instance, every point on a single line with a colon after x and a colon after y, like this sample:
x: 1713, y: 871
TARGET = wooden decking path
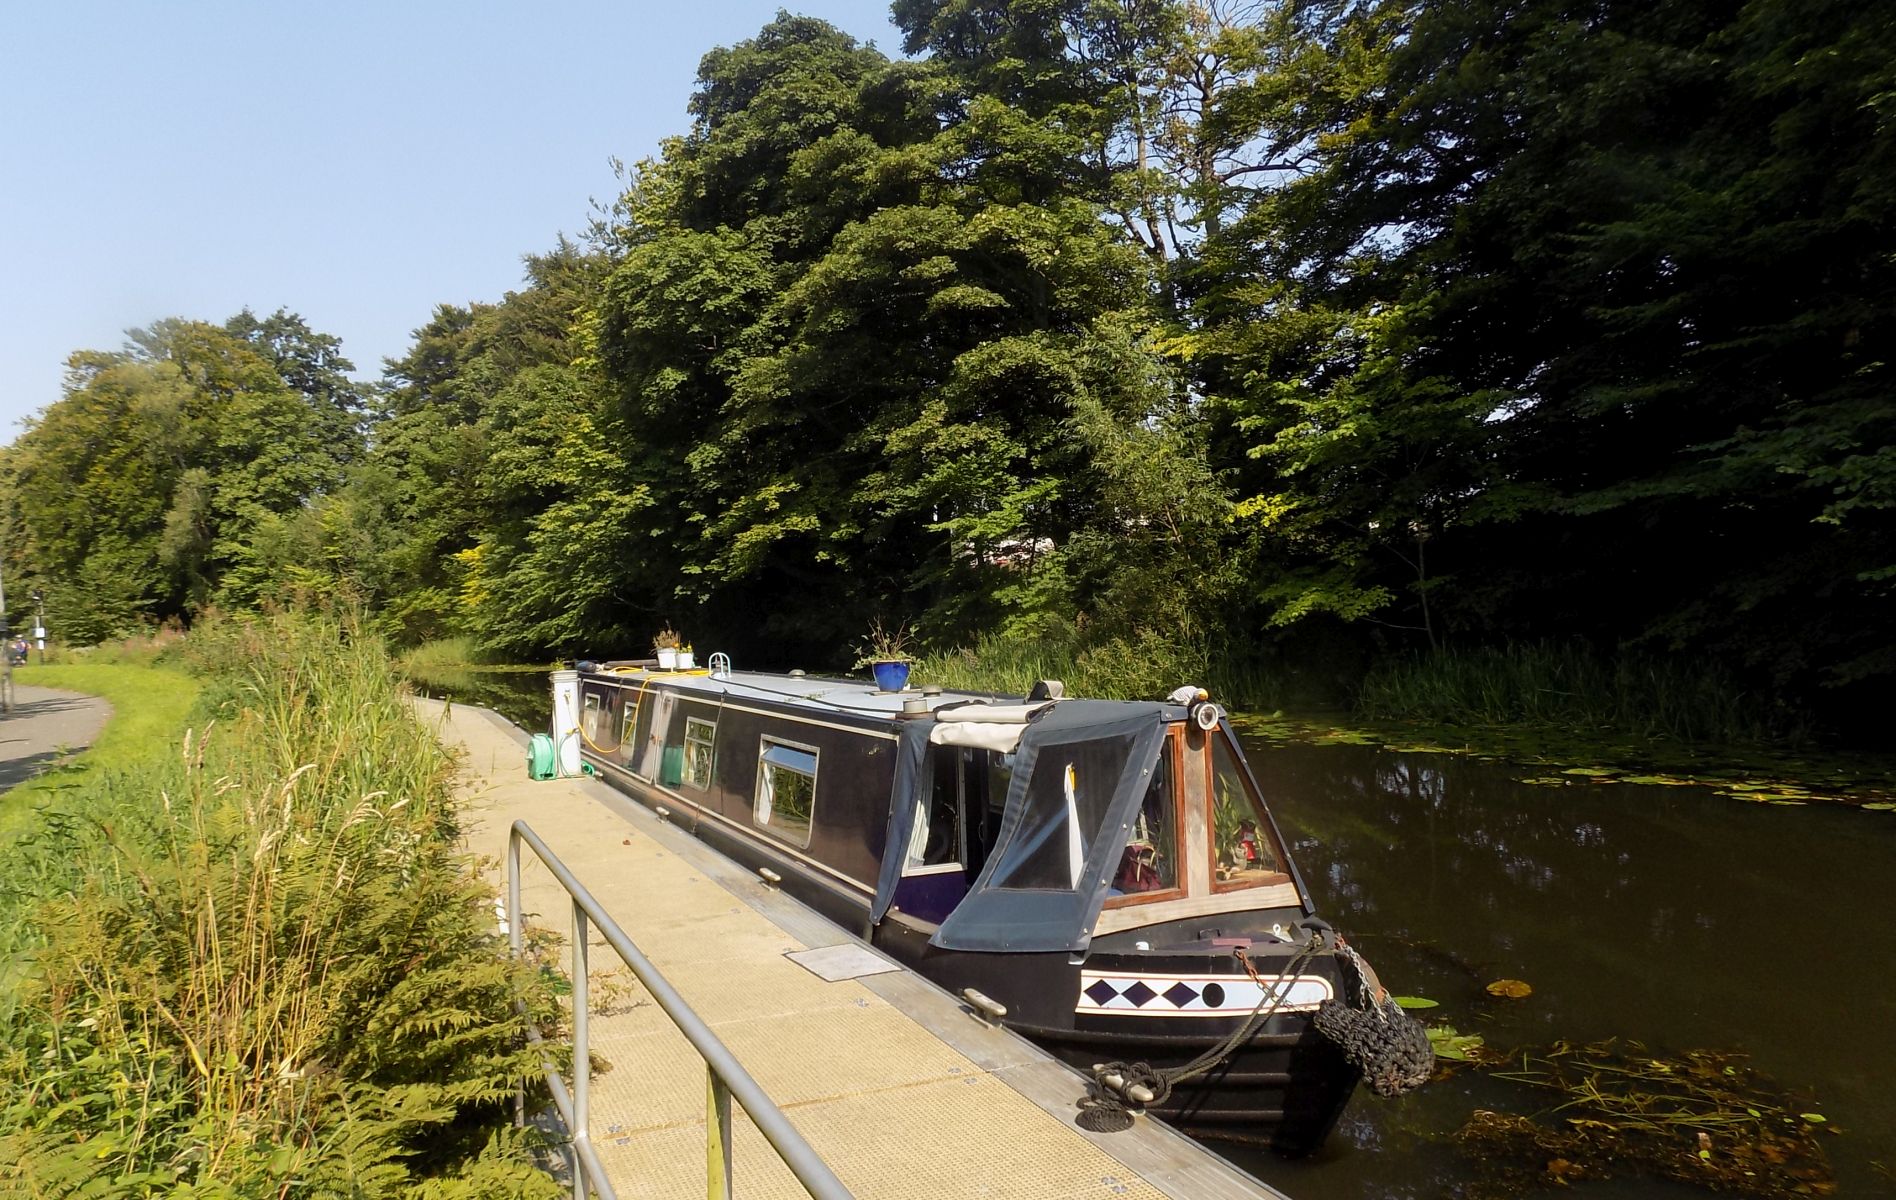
x: 895, y: 1084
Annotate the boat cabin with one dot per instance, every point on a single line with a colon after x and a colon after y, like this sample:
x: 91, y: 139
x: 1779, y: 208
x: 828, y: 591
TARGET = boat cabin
x: 981, y: 822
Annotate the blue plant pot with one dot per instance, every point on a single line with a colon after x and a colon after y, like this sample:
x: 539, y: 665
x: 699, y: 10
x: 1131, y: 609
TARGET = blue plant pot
x: 891, y: 676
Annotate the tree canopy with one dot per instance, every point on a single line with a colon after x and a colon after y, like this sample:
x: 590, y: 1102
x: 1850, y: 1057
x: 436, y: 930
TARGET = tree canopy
x: 1314, y: 330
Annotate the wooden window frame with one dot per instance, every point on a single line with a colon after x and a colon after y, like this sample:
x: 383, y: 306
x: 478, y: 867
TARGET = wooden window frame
x: 1265, y: 827
x: 1175, y: 747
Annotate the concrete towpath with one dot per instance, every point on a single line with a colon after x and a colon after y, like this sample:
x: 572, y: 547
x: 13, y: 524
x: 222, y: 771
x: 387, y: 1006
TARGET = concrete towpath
x: 893, y: 1082
x: 46, y: 724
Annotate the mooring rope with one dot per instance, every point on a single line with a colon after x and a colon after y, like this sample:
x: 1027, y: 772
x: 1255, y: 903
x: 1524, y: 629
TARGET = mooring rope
x: 1105, y: 1108
x: 1386, y: 1044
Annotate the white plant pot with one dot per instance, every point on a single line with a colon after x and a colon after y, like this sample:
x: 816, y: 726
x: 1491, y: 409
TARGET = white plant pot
x: 687, y: 660
x: 668, y: 660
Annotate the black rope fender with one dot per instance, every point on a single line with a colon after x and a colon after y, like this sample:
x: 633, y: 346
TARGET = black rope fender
x: 1390, y: 1047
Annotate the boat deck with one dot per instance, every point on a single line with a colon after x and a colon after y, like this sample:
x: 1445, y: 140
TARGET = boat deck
x: 899, y: 1088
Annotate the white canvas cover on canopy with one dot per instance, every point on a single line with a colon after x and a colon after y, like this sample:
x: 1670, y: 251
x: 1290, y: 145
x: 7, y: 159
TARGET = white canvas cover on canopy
x: 994, y: 727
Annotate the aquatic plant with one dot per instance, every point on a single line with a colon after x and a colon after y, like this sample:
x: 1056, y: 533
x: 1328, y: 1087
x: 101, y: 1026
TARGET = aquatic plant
x: 1700, y: 1117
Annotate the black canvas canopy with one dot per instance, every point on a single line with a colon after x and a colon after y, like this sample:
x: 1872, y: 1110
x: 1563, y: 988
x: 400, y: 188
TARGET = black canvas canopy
x: 1081, y: 769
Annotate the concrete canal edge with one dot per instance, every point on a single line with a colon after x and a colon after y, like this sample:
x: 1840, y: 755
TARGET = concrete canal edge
x: 1016, y: 1112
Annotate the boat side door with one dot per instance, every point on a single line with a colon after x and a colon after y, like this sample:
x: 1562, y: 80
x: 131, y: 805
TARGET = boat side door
x: 957, y: 819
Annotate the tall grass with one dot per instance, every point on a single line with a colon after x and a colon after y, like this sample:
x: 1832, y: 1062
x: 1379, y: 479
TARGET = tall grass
x: 1570, y: 687
x: 1145, y: 665
x: 262, y: 967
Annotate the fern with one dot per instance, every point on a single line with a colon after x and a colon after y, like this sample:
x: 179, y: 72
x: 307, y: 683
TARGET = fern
x: 262, y: 967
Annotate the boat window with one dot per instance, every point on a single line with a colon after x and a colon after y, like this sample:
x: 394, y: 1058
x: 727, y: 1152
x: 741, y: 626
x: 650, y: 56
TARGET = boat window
x: 1066, y: 801
x: 937, y: 837
x: 639, y: 721
x: 590, y: 721
x: 700, y: 743
x: 1149, y: 862
x: 1242, y: 853
x: 786, y: 789
x: 625, y: 726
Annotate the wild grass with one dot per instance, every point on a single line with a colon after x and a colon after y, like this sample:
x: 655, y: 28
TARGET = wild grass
x: 449, y: 655
x: 1145, y: 665
x: 1570, y: 687
x: 145, y: 649
x: 259, y: 965
x: 150, y: 706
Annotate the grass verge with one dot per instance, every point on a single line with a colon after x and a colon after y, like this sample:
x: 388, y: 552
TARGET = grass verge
x: 150, y: 706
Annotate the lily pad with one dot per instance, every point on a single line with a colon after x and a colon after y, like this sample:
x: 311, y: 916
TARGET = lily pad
x: 1591, y: 772
x: 1452, y: 1046
x: 1880, y: 807
x: 1813, y: 1118
x: 1510, y: 989
x: 1415, y: 1002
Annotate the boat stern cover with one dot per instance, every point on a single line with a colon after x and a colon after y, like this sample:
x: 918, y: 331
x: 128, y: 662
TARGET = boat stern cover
x: 1080, y: 772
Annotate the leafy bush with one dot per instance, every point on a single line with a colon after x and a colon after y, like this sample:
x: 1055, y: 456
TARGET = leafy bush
x: 263, y: 966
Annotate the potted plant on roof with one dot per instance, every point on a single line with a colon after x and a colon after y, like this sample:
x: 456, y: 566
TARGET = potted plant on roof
x: 886, y: 654
x: 665, y: 645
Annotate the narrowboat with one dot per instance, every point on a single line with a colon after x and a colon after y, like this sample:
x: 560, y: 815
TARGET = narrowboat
x: 1107, y: 872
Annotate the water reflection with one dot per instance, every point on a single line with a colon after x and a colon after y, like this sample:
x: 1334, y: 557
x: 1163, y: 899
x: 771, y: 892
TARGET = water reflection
x: 1666, y: 915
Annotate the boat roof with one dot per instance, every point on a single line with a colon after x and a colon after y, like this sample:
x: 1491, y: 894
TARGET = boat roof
x: 827, y: 693
x: 833, y: 695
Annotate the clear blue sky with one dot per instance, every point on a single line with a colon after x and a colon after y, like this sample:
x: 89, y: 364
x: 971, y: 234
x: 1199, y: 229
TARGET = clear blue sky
x: 357, y: 163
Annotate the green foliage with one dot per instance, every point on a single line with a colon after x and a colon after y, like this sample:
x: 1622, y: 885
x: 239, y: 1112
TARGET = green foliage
x: 1566, y: 686
x: 130, y: 497
x: 1302, y: 334
x: 261, y: 963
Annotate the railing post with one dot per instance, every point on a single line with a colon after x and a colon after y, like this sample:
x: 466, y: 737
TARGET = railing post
x: 582, y: 1046
x: 515, y: 944
x: 717, y: 1137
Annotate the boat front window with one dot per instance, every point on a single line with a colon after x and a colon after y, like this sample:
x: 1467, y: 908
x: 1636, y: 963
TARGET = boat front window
x: 1242, y: 851
x: 1067, y: 797
x: 1149, y: 863
x: 786, y: 789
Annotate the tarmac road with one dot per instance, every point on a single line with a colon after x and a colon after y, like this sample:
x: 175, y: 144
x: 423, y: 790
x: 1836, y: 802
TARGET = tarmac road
x: 46, y: 725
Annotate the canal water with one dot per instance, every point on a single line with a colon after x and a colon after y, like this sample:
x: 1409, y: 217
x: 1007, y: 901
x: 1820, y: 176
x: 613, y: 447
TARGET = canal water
x: 1666, y: 916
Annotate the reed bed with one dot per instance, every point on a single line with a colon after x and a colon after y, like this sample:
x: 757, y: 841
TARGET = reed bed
x: 1145, y: 664
x: 1570, y: 687
x: 262, y: 966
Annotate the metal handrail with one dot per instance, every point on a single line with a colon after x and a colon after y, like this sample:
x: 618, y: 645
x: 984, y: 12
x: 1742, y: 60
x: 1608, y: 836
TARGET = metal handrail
x: 724, y: 1076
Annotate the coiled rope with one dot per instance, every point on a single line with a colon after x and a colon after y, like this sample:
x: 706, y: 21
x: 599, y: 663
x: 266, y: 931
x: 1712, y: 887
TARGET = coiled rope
x: 1104, y: 1108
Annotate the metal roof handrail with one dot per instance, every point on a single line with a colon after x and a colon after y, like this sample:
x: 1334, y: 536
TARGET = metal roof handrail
x: 725, y: 1077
